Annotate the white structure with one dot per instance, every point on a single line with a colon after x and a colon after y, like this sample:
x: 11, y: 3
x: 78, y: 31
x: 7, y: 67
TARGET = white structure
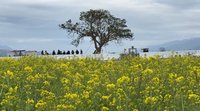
x: 15, y: 53
x: 171, y: 53
x: 31, y: 52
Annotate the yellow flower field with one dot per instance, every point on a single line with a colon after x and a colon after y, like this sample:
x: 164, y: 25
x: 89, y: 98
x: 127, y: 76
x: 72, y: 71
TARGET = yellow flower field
x: 130, y: 84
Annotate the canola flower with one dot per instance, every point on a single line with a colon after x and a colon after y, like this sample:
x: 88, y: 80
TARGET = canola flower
x: 9, y: 74
x: 28, y: 69
x: 41, y: 105
x: 30, y: 101
x: 105, y: 109
x: 150, y: 100
x: 129, y: 84
x: 110, y: 87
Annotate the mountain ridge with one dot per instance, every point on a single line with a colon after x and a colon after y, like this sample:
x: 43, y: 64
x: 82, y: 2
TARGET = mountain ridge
x: 4, y: 50
x: 4, y: 47
x: 185, y: 44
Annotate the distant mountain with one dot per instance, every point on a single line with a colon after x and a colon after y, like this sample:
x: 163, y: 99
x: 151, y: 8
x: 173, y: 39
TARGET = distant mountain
x: 4, y: 50
x: 4, y: 47
x: 186, y: 44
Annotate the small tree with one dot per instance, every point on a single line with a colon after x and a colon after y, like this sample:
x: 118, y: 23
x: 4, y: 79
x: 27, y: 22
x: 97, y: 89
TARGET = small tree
x: 100, y: 26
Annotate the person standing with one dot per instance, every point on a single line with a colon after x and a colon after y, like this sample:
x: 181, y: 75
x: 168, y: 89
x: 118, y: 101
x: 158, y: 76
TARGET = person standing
x: 81, y: 51
x: 72, y: 52
x: 77, y: 52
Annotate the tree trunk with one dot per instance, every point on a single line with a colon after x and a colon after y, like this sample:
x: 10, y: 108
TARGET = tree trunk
x: 97, y: 50
x: 98, y: 46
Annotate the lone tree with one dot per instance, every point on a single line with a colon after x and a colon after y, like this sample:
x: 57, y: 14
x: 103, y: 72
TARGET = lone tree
x: 100, y: 26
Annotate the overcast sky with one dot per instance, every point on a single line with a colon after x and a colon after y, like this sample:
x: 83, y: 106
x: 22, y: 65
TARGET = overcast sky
x: 33, y: 24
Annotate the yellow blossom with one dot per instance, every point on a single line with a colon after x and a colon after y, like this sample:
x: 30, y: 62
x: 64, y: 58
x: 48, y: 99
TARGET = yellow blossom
x: 46, y: 83
x: 28, y: 69
x: 135, y: 110
x: 110, y: 86
x: 30, y: 101
x: 123, y: 79
x: 71, y: 95
x: 13, y: 90
x: 180, y: 79
x: 167, y: 97
x: 86, y: 94
x: 41, y: 104
x: 105, y: 108
x: 9, y: 74
x: 47, y: 94
x: 105, y: 97
x: 148, y: 71
x: 65, y: 107
x: 156, y: 80
x: 150, y: 100
x: 194, y: 98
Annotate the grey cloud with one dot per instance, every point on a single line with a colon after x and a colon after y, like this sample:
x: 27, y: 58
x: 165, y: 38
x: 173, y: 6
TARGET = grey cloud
x: 152, y: 21
x: 183, y: 4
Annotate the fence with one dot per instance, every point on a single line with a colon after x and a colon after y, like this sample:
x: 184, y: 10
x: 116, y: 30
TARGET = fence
x: 117, y: 55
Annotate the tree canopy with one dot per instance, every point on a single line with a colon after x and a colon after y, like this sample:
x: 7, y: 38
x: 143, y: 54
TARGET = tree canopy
x: 100, y: 26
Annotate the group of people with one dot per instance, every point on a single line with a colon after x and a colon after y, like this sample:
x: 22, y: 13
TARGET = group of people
x: 59, y: 52
x: 73, y: 52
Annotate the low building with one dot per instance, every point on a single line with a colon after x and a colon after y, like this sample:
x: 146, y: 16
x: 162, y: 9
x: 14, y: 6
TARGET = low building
x: 30, y: 52
x: 15, y: 53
